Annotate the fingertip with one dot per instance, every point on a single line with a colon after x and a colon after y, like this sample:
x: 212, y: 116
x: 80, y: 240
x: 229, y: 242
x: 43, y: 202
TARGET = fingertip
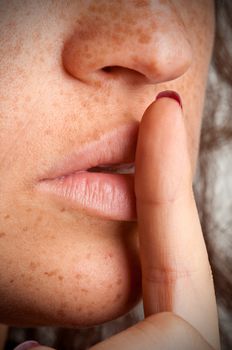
x: 32, y: 344
x: 170, y: 94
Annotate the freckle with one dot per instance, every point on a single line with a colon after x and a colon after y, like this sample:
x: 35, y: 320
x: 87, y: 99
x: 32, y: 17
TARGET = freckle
x: 29, y: 278
x: 25, y: 229
x: 79, y: 309
x: 88, y: 256
x: 61, y: 312
x: 84, y: 290
x: 118, y: 296
x: 62, y: 210
x: 110, y: 286
x: 28, y: 210
x: 61, y: 278
x: 2, y: 234
x: 39, y: 218
x: 48, y: 131
x: 50, y: 273
x: 78, y: 276
x: 28, y: 98
x: 88, y: 55
x: 33, y: 265
x: 109, y: 255
x: 140, y: 3
x: 119, y: 281
x: 11, y: 281
x: 144, y: 38
x: 7, y: 216
x: 63, y: 304
x: 96, y: 99
x: 22, y: 275
x: 97, y: 84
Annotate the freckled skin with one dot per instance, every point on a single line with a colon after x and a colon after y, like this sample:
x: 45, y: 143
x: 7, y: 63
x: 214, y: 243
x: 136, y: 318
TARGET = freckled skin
x: 68, y: 73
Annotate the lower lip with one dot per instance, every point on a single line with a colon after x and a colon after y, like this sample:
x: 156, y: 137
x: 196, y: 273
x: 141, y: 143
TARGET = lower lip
x: 109, y: 196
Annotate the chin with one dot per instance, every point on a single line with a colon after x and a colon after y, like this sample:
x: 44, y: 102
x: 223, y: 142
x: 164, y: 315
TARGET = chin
x: 101, y: 299
x: 91, y: 294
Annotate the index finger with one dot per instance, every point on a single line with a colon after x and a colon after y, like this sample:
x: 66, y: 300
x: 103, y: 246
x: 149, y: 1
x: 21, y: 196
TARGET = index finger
x: 176, y: 274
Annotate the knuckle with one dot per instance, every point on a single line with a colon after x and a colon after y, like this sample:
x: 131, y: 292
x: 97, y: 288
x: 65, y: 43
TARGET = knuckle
x: 166, y: 275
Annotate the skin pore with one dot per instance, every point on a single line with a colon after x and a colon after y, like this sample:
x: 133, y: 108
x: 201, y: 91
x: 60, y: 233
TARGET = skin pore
x: 60, y: 266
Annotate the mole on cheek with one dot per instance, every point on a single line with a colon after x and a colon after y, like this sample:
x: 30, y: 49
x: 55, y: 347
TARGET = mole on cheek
x: 2, y: 234
x: 7, y: 216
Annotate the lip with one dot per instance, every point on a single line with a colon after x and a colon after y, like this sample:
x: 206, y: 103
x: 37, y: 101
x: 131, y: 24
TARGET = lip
x: 106, y: 195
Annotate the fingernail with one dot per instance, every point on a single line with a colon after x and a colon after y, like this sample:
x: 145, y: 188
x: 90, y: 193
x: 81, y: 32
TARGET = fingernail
x: 171, y: 94
x: 29, y: 344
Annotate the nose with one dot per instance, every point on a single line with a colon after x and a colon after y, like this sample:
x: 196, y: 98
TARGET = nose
x: 128, y: 38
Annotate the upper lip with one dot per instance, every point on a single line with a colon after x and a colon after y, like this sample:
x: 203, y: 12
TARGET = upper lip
x: 117, y: 146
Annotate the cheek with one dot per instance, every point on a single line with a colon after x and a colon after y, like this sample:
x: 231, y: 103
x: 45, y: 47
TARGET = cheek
x: 65, y: 274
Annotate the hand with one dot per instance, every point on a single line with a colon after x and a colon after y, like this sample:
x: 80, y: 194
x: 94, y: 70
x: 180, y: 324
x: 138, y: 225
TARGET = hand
x: 178, y: 292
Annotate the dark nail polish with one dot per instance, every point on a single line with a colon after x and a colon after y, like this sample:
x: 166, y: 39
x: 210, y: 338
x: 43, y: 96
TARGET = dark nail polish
x: 170, y: 94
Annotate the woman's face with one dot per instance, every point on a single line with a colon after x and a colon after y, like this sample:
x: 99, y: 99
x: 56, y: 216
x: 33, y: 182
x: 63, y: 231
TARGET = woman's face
x: 62, y: 263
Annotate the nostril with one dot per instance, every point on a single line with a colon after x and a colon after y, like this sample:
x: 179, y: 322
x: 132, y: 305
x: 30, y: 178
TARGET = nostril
x: 128, y: 74
x: 108, y: 69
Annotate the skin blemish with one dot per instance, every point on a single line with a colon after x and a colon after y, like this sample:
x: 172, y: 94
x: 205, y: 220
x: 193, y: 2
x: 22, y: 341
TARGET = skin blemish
x: 118, y: 296
x: 144, y: 38
x: 84, y: 290
x: 39, y: 218
x: 51, y: 273
x: 61, y: 313
x: 11, y: 281
x: 109, y: 256
x: 140, y: 3
x: 62, y: 210
x: 60, y: 278
x: 28, y: 210
x: 119, y: 281
x: 25, y: 229
x: 2, y: 234
x: 97, y: 84
x: 33, y: 265
x: 88, y: 256
x: 78, y: 276
x: 7, y: 216
x: 48, y: 131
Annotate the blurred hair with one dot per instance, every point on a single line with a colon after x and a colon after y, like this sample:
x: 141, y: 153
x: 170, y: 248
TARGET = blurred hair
x: 213, y: 185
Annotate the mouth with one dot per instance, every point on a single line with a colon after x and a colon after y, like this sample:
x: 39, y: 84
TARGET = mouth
x: 114, y: 168
x: 98, y: 177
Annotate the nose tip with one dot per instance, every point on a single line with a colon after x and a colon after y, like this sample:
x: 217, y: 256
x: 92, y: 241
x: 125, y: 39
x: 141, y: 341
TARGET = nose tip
x: 154, y: 52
